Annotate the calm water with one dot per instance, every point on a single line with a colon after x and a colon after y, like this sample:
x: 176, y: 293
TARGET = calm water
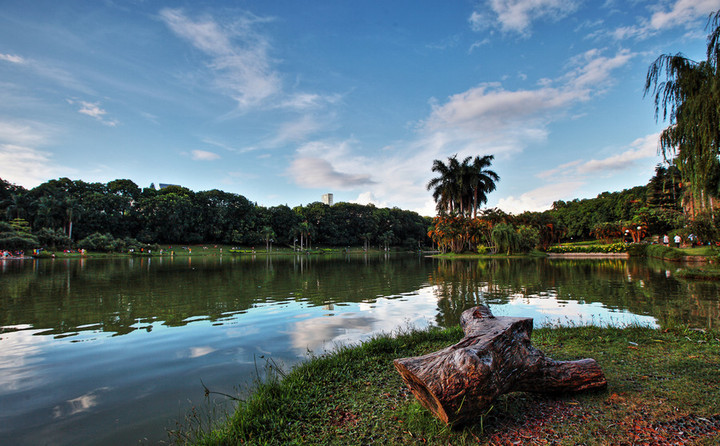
x: 114, y: 351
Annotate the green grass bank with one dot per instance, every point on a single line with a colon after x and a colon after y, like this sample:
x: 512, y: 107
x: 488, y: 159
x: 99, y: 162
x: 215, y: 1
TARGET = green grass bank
x: 663, y: 388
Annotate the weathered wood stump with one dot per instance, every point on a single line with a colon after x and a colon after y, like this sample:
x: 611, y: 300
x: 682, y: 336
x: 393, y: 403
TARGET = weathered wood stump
x: 495, y: 357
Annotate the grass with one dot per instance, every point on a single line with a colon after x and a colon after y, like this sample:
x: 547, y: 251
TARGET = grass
x: 201, y: 250
x: 705, y: 273
x: 663, y: 388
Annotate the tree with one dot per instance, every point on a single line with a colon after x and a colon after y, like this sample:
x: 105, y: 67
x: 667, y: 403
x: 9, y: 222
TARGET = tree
x: 482, y: 180
x: 268, y: 235
x: 305, y: 229
x: 73, y: 209
x: 505, y: 238
x: 462, y: 187
x: 689, y: 99
x: 16, y: 234
x: 446, y: 189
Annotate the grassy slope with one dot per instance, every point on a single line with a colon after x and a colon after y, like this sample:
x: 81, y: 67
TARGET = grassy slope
x: 664, y: 388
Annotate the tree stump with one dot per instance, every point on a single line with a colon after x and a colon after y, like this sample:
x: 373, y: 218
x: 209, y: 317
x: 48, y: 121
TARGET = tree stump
x: 495, y: 357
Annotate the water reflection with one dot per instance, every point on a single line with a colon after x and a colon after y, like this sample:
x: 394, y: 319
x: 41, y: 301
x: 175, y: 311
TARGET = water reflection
x: 111, y: 351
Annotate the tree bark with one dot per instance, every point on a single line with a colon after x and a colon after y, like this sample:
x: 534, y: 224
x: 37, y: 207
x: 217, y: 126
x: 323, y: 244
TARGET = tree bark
x: 495, y: 357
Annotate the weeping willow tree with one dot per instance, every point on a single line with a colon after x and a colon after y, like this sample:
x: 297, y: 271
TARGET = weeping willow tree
x: 687, y: 95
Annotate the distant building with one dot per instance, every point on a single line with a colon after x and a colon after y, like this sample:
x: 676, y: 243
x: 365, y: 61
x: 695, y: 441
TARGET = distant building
x: 163, y: 185
x: 327, y: 199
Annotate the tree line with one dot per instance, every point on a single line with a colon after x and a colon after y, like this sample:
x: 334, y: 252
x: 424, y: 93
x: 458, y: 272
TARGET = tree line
x: 659, y: 207
x: 60, y: 213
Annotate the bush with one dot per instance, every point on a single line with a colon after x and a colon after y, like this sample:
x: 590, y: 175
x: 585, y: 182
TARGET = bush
x: 664, y: 252
x: 528, y: 238
x: 97, y: 242
x: 505, y: 238
x: 108, y: 243
x: 611, y: 248
x: 482, y: 249
x: 53, y: 239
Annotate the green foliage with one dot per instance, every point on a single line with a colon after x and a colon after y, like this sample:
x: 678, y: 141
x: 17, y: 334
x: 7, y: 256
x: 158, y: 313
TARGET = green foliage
x: 687, y: 94
x: 609, y: 248
x: 505, y: 238
x: 528, y: 238
x: 462, y: 187
x: 664, y: 252
x: 16, y: 235
x: 482, y: 249
x: 108, y: 243
x: 177, y: 215
x: 53, y: 239
x: 607, y: 231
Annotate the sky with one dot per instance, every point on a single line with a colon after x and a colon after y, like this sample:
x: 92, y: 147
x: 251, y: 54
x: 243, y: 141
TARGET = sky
x: 283, y: 101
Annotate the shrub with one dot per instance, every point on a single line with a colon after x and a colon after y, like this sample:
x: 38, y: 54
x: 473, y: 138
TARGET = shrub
x: 108, y: 243
x: 505, y: 238
x: 611, y: 248
x: 664, y: 252
x: 528, y: 238
x: 97, y: 242
x: 53, y: 239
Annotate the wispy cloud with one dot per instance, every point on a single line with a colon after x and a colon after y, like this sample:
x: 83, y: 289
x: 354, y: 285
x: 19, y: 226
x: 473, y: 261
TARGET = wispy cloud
x: 22, y: 162
x: 541, y: 198
x: 640, y: 149
x: 239, y: 54
x: 24, y: 132
x: 26, y: 166
x: 12, y: 58
x: 203, y: 155
x: 489, y: 111
x: 93, y: 110
x: 517, y: 15
x: 680, y: 13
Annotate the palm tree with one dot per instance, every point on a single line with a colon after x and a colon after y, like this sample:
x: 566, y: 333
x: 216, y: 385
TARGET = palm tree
x: 482, y: 180
x: 72, y: 209
x: 268, y: 234
x: 462, y: 187
x: 689, y: 98
x: 305, y: 230
x: 15, y: 206
x: 445, y: 186
x: 46, y: 210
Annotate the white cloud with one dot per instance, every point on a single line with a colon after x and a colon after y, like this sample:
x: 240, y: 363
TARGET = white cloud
x: 202, y: 155
x: 683, y: 12
x: 304, y: 101
x: 495, y: 120
x: 21, y: 162
x: 27, y: 166
x: 294, y: 131
x: 93, y: 110
x: 23, y: 132
x: 238, y: 54
x: 486, y: 119
x: 320, y: 173
x: 680, y: 13
x: 12, y: 58
x: 539, y: 199
x: 641, y: 148
x: 517, y: 15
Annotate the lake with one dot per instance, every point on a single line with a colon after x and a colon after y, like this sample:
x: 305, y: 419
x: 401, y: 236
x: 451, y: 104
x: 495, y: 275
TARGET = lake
x: 116, y: 351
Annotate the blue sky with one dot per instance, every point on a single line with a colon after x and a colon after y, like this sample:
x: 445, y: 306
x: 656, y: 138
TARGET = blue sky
x: 283, y: 101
